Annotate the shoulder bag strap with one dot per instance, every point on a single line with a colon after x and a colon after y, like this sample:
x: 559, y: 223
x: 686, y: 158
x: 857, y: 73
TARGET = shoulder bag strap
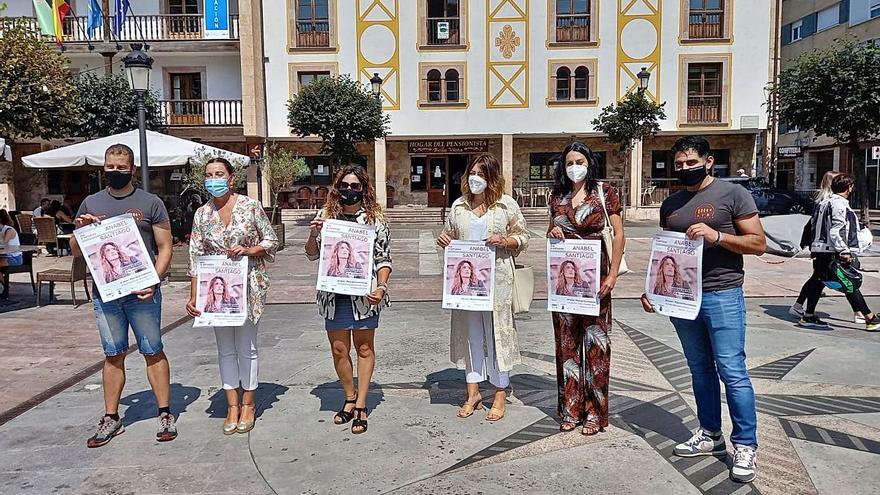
x: 602, y: 200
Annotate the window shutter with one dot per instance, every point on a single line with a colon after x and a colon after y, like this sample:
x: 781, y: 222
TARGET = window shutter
x: 844, y: 11
x: 809, y: 25
x: 786, y: 34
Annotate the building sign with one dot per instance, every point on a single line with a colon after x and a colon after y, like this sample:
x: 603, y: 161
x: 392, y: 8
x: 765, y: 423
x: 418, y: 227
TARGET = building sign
x: 443, y: 30
x: 448, y: 146
x: 788, y: 151
x: 216, y: 19
x: 255, y: 151
x: 875, y: 152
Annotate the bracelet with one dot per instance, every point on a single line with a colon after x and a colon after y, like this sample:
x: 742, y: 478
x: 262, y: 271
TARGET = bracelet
x: 383, y: 287
x: 718, y: 241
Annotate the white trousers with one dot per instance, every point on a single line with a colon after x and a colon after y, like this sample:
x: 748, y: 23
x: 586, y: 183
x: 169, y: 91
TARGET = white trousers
x: 481, y: 340
x: 237, y: 351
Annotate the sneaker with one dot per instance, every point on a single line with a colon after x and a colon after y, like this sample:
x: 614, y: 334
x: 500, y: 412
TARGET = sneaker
x: 796, y: 309
x: 167, y: 428
x: 858, y: 317
x: 745, y: 460
x: 813, y: 322
x: 873, y: 324
x: 702, y: 443
x: 107, y: 429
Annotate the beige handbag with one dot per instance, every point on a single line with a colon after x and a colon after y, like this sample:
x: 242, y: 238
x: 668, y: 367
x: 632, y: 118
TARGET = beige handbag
x: 608, y: 236
x: 523, y: 288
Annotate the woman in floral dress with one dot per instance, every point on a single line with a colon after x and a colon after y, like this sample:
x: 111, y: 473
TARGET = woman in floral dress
x: 583, y: 347
x: 234, y: 225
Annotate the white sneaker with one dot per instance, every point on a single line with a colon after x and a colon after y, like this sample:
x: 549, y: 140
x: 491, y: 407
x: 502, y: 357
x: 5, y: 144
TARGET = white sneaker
x: 796, y: 309
x: 702, y: 443
x: 858, y: 318
x: 745, y: 461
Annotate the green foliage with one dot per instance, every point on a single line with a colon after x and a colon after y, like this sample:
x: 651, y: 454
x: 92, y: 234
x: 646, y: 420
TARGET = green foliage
x: 342, y: 112
x: 633, y: 118
x: 37, y: 94
x: 281, y: 168
x: 194, y: 178
x: 108, y: 106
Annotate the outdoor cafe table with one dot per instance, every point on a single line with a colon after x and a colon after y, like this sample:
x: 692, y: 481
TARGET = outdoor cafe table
x: 19, y: 249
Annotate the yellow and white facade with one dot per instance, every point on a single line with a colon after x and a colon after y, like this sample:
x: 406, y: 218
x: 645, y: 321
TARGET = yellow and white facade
x: 531, y: 75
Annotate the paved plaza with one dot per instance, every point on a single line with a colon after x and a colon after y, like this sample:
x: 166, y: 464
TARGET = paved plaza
x: 818, y: 399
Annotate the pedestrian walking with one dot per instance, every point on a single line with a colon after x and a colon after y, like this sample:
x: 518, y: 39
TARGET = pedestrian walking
x: 724, y: 215
x: 234, y: 225
x: 354, y: 319
x: 484, y: 343
x: 835, y: 229
x: 141, y: 310
x: 580, y: 208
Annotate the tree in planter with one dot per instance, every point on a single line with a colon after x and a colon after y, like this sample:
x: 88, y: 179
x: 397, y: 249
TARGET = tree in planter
x: 108, y: 106
x: 833, y: 92
x: 37, y: 94
x: 342, y: 112
x: 632, y: 119
x: 282, y: 168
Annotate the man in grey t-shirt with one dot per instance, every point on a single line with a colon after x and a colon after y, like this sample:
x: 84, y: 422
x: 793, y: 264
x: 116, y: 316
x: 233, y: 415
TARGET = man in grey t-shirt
x: 141, y: 310
x: 725, y: 217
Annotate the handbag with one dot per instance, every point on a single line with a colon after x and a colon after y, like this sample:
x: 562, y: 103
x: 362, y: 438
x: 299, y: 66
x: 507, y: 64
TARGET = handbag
x: 608, y: 236
x: 523, y: 287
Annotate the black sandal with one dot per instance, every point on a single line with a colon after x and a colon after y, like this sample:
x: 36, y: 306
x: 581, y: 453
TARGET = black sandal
x: 358, y: 422
x: 345, y: 416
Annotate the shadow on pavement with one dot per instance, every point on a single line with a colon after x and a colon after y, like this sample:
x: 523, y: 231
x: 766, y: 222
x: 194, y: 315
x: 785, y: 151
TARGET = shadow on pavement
x: 142, y: 405
x: 267, y: 394
x: 333, y: 397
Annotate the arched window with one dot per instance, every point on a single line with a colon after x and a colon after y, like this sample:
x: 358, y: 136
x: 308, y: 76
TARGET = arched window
x: 581, y: 83
x: 434, y: 86
x: 563, y: 83
x: 452, y: 91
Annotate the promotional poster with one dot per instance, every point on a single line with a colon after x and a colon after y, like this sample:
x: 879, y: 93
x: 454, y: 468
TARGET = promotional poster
x: 221, y: 293
x: 573, y: 276
x: 346, y: 265
x: 469, y: 276
x: 674, y: 281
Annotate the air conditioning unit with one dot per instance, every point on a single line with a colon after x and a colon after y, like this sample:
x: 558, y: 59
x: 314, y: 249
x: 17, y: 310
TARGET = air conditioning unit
x: 749, y: 122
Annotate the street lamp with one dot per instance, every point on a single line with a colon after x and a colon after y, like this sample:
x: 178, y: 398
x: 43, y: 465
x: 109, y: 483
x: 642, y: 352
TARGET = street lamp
x: 376, y: 84
x: 137, y: 67
x: 644, y: 76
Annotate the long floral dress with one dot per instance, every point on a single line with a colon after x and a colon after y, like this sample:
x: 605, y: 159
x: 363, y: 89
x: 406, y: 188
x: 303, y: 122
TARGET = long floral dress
x: 583, y: 345
x: 249, y: 227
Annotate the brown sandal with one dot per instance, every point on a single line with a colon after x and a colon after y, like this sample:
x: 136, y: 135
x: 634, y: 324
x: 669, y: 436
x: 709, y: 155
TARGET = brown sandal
x: 467, y: 409
x: 591, y: 427
x: 567, y: 426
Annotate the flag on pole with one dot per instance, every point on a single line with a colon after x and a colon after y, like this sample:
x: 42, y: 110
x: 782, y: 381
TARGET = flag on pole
x: 96, y: 19
x: 122, y: 8
x: 59, y: 12
x: 44, y: 17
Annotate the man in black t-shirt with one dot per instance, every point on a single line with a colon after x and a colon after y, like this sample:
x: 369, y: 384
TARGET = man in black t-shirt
x: 724, y: 215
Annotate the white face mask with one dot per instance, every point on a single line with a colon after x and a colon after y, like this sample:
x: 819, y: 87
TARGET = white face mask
x: 576, y: 173
x: 477, y: 184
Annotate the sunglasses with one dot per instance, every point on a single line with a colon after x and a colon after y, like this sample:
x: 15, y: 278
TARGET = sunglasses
x: 354, y: 186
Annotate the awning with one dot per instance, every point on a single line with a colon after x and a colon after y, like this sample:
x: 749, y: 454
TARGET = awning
x: 164, y: 151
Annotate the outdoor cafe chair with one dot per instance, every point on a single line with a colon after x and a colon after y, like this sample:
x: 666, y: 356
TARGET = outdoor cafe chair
x: 27, y: 266
x: 304, y: 197
x: 25, y: 222
x: 320, y: 197
x: 77, y: 272
x: 47, y: 233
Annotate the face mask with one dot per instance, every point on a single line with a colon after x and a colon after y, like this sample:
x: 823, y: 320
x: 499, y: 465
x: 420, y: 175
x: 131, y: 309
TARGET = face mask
x: 118, y: 180
x: 217, y: 187
x: 577, y: 173
x: 350, y: 197
x: 477, y: 184
x: 691, y: 176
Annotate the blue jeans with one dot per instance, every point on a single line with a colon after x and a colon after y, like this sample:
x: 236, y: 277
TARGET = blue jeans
x: 115, y: 317
x: 714, y: 345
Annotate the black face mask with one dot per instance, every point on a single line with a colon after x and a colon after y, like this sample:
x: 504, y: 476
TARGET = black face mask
x: 350, y: 197
x: 118, y: 180
x: 691, y: 176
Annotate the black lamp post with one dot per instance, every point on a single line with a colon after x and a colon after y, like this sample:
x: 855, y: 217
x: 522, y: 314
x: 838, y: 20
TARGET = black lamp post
x: 644, y: 76
x: 137, y: 67
x: 376, y: 84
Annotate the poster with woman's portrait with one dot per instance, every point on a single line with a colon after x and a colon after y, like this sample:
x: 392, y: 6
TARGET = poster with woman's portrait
x: 674, y: 281
x: 221, y: 291
x: 469, y: 275
x: 346, y: 265
x: 573, y: 276
x: 116, y: 257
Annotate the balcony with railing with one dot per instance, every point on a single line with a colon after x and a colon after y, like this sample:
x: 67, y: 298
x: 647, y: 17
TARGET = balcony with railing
x: 150, y: 28
x: 313, y: 33
x: 706, y: 24
x: 704, y: 109
x: 572, y: 28
x: 436, y: 36
x: 182, y: 113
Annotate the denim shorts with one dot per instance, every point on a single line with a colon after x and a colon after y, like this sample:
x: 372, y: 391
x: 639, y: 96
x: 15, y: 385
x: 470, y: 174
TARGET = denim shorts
x: 115, y: 317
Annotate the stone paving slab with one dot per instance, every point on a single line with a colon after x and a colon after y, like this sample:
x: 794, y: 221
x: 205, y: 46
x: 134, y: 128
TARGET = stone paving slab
x: 415, y: 443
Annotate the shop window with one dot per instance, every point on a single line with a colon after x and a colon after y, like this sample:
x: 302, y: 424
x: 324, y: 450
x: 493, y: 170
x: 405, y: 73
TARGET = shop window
x: 418, y: 173
x: 721, y: 167
x: 320, y: 171
x: 542, y: 165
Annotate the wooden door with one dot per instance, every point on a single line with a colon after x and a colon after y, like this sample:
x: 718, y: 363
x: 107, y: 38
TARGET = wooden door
x: 438, y: 174
x: 186, y: 93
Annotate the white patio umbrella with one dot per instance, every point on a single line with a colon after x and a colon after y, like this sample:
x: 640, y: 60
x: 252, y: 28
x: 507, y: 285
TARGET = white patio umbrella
x: 165, y: 151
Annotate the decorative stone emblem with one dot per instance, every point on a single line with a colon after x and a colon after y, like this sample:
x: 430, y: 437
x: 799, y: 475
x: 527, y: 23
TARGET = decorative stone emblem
x: 507, y: 41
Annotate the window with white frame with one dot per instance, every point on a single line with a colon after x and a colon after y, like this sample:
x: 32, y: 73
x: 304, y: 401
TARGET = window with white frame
x: 829, y: 17
x: 875, y: 8
x: 796, y: 30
